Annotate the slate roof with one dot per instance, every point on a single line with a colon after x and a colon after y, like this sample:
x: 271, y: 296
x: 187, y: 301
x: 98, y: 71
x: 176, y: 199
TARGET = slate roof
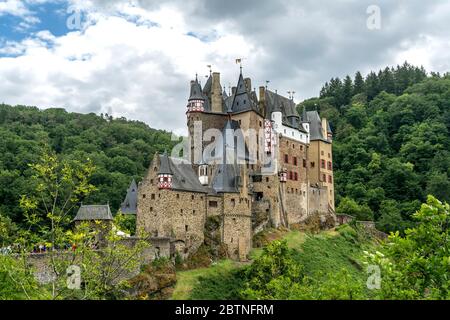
x: 184, y: 178
x: 208, y: 86
x: 242, y: 100
x: 93, y: 212
x: 129, y: 205
x: 196, y: 91
x: 315, y: 127
x: 276, y: 102
x: 164, y: 167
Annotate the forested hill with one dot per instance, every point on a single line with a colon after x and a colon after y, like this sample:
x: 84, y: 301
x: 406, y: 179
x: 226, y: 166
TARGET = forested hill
x: 391, y: 141
x: 120, y: 150
x: 391, y: 145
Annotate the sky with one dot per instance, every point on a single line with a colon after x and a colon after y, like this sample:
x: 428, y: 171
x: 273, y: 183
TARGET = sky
x: 135, y: 58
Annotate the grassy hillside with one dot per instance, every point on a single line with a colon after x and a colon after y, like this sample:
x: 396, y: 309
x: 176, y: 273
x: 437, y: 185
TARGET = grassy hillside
x: 318, y: 254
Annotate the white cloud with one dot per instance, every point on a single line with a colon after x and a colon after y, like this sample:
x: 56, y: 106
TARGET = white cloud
x: 135, y: 59
x: 137, y: 71
x: 13, y: 7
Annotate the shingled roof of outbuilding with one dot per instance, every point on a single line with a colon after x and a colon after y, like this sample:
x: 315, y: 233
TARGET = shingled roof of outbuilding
x: 93, y: 212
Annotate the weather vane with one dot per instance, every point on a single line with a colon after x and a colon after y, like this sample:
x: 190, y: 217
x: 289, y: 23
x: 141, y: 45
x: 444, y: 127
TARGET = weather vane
x: 239, y: 61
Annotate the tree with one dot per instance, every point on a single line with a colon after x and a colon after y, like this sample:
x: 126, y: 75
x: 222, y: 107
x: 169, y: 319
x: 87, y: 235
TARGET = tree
x: 372, y: 85
x: 358, y: 84
x: 351, y: 207
x: 60, y: 186
x: 417, y: 265
x: 390, y: 217
x: 8, y: 231
x: 347, y: 90
x: 273, y: 275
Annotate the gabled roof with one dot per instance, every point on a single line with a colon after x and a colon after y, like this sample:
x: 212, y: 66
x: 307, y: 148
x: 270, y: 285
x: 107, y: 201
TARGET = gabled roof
x: 129, y: 205
x: 315, y: 127
x: 164, y: 167
x: 242, y: 100
x: 276, y: 102
x: 224, y: 94
x: 207, y: 87
x: 183, y: 176
x: 93, y: 212
x: 196, y: 91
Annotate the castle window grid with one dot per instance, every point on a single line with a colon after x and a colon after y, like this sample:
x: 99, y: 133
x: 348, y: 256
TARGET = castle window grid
x: 196, y: 106
x: 165, y: 181
x: 269, y: 137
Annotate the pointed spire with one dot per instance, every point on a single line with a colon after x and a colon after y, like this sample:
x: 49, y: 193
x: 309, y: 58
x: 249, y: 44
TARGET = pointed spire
x: 224, y: 93
x: 276, y: 102
x: 196, y: 90
x: 129, y: 205
x: 165, y: 164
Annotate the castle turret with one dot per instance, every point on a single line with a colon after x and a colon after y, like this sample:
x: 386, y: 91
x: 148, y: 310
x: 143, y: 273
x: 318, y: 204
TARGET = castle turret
x: 277, y: 115
x: 165, y: 173
x: 196, y: 99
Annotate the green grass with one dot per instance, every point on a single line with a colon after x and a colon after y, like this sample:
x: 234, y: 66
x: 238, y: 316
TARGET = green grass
x: 319, y: 254
x: 295, y: 239
x: 187, y: 280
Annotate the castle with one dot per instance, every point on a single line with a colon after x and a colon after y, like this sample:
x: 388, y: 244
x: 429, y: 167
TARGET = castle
x: 250, y: 162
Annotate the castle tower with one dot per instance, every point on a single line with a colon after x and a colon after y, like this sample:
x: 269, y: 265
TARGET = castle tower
x: 165, y: 173
x: 196, y: 99
x: 320, y: 154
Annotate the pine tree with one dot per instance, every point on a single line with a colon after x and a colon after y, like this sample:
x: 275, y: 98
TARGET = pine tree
x: 359, y: 83
x: 347, y: 90
x: 372, y: 85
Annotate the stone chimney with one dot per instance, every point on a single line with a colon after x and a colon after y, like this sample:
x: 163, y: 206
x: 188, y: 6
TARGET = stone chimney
x: 248, y: 84
x: 324, y: 128
x: 216, y: 93
x: 262, y: 100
